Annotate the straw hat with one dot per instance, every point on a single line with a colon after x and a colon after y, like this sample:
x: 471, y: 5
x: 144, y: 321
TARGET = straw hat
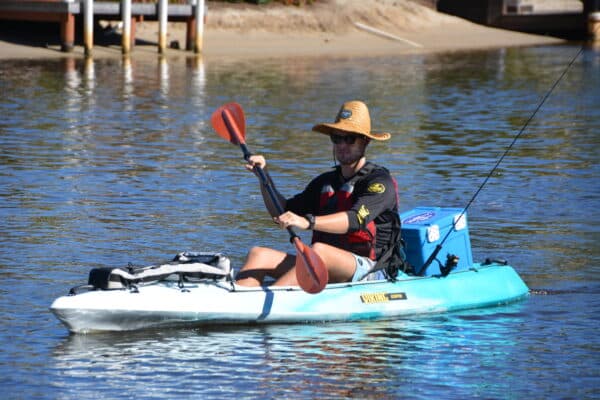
x: 353, y: 118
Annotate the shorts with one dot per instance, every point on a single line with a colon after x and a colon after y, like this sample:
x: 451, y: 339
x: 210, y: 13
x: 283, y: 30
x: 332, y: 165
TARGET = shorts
x: 363, y: 266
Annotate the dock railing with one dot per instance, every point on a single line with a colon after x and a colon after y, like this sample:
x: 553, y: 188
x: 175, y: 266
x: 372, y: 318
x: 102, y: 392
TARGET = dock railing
x: 128, y: 12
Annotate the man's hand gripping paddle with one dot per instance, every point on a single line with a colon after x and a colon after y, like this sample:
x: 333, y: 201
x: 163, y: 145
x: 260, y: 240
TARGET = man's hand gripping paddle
x: 311, y: 273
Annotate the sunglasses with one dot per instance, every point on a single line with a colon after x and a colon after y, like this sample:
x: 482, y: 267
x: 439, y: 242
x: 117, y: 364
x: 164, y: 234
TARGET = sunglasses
x: 348, y: 139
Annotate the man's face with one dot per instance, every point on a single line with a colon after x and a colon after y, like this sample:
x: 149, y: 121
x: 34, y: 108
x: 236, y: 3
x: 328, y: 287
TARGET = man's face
x: 348, y: 148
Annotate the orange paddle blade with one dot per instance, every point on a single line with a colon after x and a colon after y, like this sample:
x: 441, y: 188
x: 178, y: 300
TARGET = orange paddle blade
x: 235, y: 111
x: 311, y: 272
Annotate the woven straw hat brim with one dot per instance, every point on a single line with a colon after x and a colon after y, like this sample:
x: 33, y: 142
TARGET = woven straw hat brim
x: 344, y: 126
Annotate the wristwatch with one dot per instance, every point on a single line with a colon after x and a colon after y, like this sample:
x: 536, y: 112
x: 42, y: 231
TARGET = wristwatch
x: 311, y: 221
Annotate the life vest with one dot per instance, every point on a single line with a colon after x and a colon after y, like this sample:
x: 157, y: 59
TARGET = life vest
x: 361, y: 242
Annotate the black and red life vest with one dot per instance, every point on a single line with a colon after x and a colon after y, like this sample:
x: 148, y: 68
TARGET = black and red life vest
x: 361, y: 242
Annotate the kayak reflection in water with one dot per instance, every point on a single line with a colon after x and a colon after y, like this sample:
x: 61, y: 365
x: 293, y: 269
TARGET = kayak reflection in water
x: 352, y: 211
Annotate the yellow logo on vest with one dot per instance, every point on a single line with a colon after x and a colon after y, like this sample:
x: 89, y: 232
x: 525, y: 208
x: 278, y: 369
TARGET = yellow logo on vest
x: 363, y: 213
x: 376, y: 188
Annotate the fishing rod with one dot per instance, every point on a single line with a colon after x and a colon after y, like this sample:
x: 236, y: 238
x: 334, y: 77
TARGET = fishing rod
x: 452, y: 260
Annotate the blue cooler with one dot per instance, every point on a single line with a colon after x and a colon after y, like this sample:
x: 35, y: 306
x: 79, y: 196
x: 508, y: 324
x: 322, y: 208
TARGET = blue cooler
x: 423, y: 228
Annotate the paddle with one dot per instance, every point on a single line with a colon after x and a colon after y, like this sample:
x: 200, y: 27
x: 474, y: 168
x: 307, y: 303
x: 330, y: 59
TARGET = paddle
x: 311, y: 273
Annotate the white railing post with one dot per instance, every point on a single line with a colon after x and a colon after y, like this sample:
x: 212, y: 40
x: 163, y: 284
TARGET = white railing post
x: 594, y: 26
x: 163, y: 17
x: 199, y: 20
x: 126, y: 19
x: 88, y: 26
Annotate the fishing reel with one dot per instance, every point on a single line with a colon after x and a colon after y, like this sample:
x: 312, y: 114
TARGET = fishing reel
x: 451, y: 263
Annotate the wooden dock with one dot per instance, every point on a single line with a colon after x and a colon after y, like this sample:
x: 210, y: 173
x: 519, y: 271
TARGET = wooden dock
x: 66, y: 12
x: 529, y: 16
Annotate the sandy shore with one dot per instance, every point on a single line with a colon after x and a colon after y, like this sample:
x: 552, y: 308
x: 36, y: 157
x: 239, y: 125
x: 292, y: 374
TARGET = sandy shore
x: 336, y: 28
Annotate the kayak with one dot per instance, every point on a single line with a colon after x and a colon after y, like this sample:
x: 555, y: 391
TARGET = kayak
x: 198, y: 288
x: 166, y: 303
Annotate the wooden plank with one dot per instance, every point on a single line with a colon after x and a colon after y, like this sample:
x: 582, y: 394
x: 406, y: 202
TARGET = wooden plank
x: 67, y: 33
x: 29, y: 16
x: 38, y: 7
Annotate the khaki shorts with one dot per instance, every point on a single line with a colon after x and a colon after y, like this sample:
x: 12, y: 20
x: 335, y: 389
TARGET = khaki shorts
x: 363, y: 266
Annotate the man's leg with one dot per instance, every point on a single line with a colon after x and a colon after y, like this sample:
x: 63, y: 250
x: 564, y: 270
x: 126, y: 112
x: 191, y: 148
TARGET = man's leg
x: 341, y: 265
x: 262, y: 262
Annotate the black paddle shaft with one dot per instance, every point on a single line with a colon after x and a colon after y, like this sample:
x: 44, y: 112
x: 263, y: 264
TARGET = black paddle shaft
x: 266, y: 181
x: 264, y: 178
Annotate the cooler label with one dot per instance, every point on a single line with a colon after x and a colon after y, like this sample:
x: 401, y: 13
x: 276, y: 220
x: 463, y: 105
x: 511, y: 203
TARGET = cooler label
x: 419, y: 218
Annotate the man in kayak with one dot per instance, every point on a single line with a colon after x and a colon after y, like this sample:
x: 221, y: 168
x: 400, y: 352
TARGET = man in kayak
x: 352, y: 210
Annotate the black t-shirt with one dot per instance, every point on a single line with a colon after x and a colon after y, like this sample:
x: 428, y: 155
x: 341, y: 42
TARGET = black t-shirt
x: 374, y: 198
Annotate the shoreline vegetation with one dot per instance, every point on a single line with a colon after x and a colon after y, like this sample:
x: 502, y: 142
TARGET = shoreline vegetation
x: 319, y: 28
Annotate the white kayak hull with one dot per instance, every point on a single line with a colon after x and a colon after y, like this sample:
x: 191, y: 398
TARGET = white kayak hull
x: 166, y: 304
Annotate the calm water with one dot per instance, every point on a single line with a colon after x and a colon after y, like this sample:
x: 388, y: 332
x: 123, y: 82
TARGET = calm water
x: 106, y: 162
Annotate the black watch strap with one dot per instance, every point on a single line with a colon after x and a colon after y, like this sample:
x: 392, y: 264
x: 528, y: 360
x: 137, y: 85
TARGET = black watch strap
x: 311, y: 221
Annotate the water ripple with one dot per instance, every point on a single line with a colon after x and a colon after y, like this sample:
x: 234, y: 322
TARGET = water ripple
x: 105, y: 162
